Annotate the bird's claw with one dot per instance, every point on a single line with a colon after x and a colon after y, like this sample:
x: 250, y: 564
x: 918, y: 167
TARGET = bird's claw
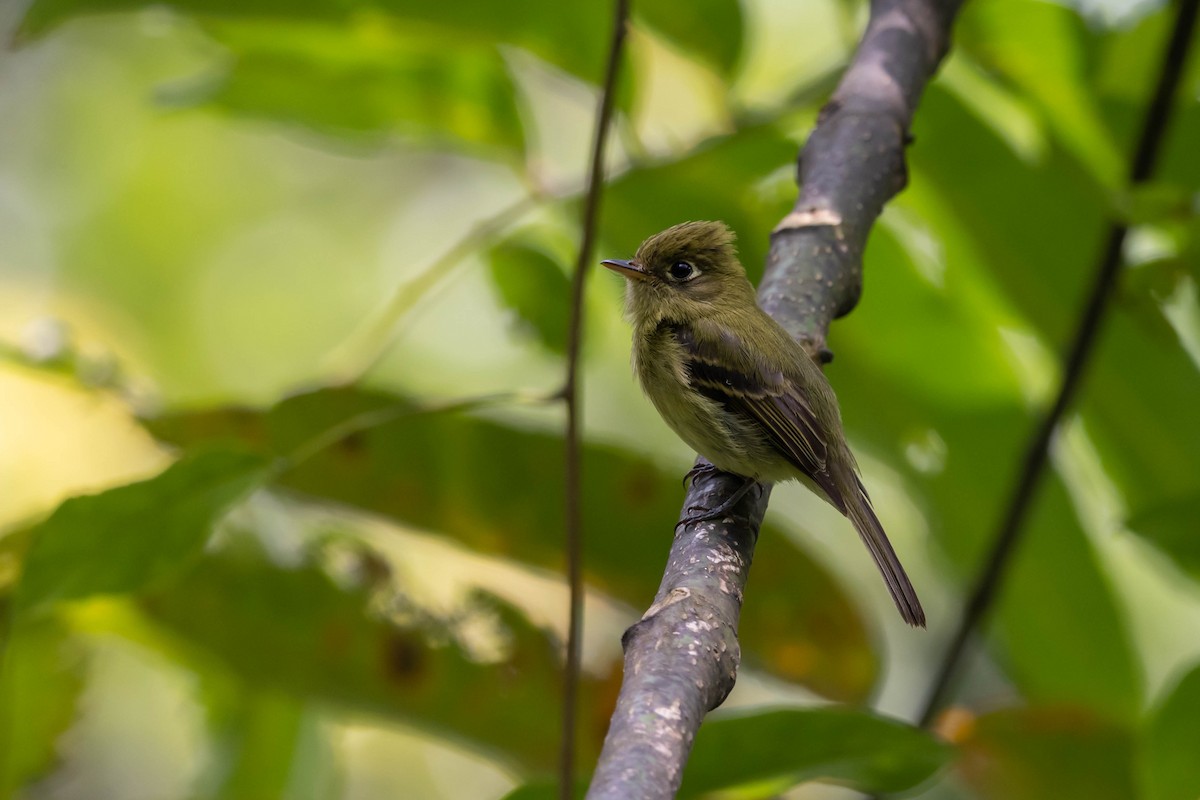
x: 703, y: 468
x: 701, y: 514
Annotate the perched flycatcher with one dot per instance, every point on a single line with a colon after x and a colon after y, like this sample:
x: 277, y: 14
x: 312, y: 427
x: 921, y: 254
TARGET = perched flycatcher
x: 737, y: 388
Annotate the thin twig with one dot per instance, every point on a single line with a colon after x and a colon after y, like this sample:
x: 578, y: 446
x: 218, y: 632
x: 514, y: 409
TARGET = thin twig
x: 987, y: 584
x: 570, y: 394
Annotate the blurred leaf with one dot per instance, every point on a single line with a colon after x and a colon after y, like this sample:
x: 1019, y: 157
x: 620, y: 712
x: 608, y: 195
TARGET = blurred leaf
x: 1037, y: 230
x: 972, y: 367
x: 709, y: 30
x: 1190, y: 255
x: 854, y: 748
x: 367, y: 76
x: 776, y: 749
x: 1143, y: 290
x: 129, y: 537
x: 803, y: 626
x: 330, y: 646
x: 1064, y: 633
x: 570, y: 41
x: 42, y: 16
x: 14, y: 545
x: 267, y: 736
x: 1172, y: 526
x: 708, y: 183
x: 1168, y: 769
x: 542, y: 790
x: 1156, y: 202
x: 1138, y: 405
x: 1034, y: 228
x: 1063, y: 637
x: 425, y: 471
x: 1008, y: 112
x: 1125, y: 76
x: 1041, y: 47
x: 1140, y: 412
x: 1061, y: 632
x: 533, y: 285
x: 576, y: 42
x: 1047, y: 754
x: 1122, y: 69
x: 41, y: 677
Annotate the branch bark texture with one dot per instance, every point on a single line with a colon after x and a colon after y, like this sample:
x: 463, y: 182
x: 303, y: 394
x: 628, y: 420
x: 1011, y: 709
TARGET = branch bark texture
x: 681, y: 658
x: 852, y: 164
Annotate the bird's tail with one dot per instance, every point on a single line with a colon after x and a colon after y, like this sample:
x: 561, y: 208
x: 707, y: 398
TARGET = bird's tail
x: 858, y: 509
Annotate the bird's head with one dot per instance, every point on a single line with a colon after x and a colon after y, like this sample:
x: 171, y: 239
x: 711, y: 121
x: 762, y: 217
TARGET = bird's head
x: 685, y: 272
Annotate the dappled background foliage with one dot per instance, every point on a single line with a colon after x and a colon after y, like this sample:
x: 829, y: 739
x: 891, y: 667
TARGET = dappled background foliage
x: 283, y: 297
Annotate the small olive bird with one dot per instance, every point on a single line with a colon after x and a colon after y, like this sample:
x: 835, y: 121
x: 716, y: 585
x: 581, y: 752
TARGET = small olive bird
x: 736, y: 387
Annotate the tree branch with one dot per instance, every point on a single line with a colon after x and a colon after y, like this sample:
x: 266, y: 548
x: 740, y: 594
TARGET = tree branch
x: 1033, y: 466
x: 851, y: 165
x: 681, y: 659
x: 570, y: 396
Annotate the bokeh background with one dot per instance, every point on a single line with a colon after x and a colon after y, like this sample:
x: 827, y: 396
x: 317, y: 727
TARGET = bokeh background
x: 271, y: 247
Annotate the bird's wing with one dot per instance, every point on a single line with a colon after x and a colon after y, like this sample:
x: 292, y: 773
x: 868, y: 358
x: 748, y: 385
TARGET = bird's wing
x: 722, y: 367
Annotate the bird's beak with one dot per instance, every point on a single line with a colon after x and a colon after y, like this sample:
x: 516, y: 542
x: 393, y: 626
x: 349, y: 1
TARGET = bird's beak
x: 627, y: 269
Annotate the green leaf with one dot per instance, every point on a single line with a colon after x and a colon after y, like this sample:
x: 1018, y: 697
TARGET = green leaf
x: 132, y: 536
x: 427, y: 470
x: 574, y: 41
x: 276, y: 747
x: 1061, y: 631
x: 1122, y: 70
x: 1047, y: 754
x: 269, y: 730
x: 299, y: 632
x: 1144, y: 289
x: 1064, y: 634
x: 1140, y: 411
x: 1168, y: 769
x: 41, y: 676
x: 854, y: 748
x: 43, y: 16
x: 1172, y: 527
x: 367, y: 76
x: 1156, y: 202
x: 1041, y: 48
x: 1138, y: 404
x: 542, y: 790
x: 709, y: 30
x: 1035, y: 260
x: 901, y: 292
x: 803, y: 625
x: 534, y: 286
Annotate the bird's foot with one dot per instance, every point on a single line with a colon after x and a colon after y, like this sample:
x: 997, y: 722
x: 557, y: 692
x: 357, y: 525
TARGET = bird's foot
x: 702, y: 468
x: 701, y: 514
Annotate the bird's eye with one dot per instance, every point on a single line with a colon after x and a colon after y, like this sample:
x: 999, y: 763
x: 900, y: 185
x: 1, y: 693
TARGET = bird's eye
x: 681, y: 270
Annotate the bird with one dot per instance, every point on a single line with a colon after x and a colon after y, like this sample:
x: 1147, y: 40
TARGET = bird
x: 737, y: 388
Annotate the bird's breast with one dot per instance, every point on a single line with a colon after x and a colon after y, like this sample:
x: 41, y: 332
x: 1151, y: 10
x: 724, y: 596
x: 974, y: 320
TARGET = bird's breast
x: 729, y: 440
